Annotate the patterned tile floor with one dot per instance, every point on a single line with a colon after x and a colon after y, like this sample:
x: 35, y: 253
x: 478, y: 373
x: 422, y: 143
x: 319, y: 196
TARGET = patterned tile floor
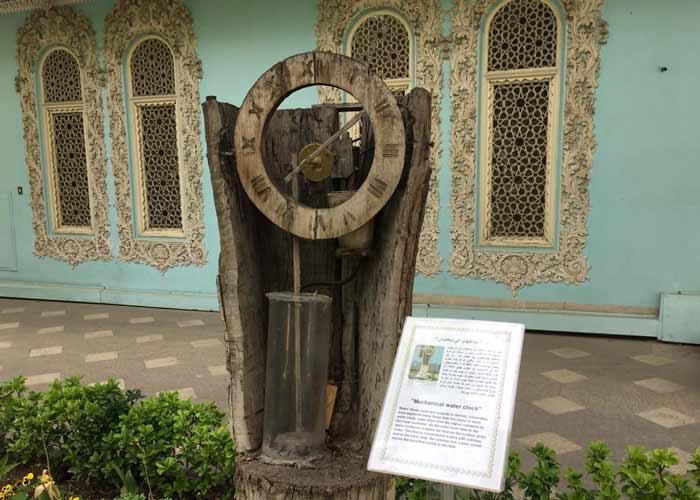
x: 573, y: 389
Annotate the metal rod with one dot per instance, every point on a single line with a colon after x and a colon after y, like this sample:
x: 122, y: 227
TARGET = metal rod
x: 296, y: 280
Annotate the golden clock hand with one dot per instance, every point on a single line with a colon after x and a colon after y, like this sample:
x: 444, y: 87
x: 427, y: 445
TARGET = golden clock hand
x: 325, y: 145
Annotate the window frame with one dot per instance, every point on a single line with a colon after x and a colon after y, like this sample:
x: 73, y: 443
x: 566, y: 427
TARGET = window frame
x: 141, y: 214
x: 47, y: 110
x: 42, y: 31
x: 402, y: 84
x: 487, y: 81
x: 129, y: 22
x: 585, y: 31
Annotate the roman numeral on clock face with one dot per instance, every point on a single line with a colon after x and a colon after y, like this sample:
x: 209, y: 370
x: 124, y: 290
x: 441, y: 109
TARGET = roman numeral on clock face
x: 348, y: 218
x: 261, y: 187
x: 390, y: 151
x: 377, y: 187
x: 382, y: 107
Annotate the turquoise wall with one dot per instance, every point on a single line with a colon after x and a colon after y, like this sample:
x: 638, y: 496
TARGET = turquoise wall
x: 644, y: 195
x: 644, y: 180
x: 234, y: 52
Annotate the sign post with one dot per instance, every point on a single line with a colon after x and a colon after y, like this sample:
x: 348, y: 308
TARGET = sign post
x: 448, y: 410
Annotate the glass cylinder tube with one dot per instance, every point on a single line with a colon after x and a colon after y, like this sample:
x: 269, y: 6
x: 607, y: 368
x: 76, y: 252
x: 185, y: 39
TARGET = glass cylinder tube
x: 298, y: 344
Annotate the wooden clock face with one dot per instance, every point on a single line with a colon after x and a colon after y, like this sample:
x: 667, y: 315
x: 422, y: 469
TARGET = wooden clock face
x: 296, y: 72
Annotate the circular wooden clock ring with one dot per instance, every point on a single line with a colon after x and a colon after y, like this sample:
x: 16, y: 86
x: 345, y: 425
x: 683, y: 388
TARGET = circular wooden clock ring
x: 304, y: 70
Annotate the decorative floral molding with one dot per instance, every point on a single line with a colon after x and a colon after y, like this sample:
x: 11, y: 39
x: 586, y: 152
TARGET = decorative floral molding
x: 12, y: 6
x: 65, y: 27
x: 172, y: 21
x: 586, y: 31
x: 425, y: 18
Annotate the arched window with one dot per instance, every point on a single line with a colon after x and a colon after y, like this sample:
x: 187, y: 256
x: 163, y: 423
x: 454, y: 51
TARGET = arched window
x: 153, y: 74
x: 520, y: 85
x: 384, y: 41
x: 154, y: 136
x: 64, y: 142
x: 401, y: 41
x: 61, y: 103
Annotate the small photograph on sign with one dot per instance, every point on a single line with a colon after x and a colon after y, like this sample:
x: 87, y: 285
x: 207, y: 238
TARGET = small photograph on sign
x: 427, y: 361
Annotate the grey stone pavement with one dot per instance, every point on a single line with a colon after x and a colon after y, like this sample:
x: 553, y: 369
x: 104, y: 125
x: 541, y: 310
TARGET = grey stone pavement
x: 573, y: 389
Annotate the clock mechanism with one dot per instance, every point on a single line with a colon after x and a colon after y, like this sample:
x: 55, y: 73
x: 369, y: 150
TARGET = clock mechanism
x: 299, y: 324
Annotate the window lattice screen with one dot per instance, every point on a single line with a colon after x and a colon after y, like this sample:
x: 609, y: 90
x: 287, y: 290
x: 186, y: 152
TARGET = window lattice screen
x: 154, y: 104
x: 523, y: 34
x: 383, y: 43
x: 152, y: 71
x: 70, y: 164
x: 61, y: 77
x: 519, y: 159
x: 158, y: 136
x: 523, y: 38
x: 66, y: 165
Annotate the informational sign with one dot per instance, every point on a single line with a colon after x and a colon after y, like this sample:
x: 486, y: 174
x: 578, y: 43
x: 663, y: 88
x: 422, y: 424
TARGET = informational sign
x: 448, y: 411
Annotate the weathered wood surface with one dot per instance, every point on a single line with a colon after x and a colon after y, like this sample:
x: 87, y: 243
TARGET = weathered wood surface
x: 252, y: 131
x: 345, y: 478
x: 386, y: 279
x: 256, y: 255
x: 241, y: 294
x: 372, y: 307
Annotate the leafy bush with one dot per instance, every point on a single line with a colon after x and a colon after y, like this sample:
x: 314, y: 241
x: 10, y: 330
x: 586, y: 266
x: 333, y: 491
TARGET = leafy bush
x: 176, y: 447
x: 643, y: 475
x: 164, y: 445
x: 66, y: 424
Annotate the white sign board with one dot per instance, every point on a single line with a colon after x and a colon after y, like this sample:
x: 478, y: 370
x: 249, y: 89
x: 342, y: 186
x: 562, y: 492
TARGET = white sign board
x: 448, y: 411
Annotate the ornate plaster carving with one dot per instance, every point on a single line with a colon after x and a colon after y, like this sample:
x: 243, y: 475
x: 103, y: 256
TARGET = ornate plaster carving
x: 586, y: 31
x: 44, y: 28
x: 425, y: 18
x: 171, y: 21
x: 12, y: 6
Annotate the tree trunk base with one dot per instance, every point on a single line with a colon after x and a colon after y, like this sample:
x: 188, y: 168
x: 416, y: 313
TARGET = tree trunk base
x: 344, y: 478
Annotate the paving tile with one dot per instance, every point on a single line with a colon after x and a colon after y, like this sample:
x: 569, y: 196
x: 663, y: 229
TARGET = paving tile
x: 45, y: 378
x: 217, y: 371
x: 50, y: 329
x: 564, y: 376
x: 667, y: 418
x: 9, y: 326
x: 46, y: 351
x: 558, y: 405
x: 653, y: 359
x: 186, y: 393
x: 12, y: 310
x: 190, y: 322
x: 569, y: 353
x: 142, y: 319
x: 552, y: 440
x: 90, y: 317
x: 160, y: 362
x: 683, y: 465
x: 53, y: 314
x: 98, y: 334
x: 5, y: 344
x: 101, y: 356
x: 660, y: 385
x: 198, y: 344
x: 149, y: 338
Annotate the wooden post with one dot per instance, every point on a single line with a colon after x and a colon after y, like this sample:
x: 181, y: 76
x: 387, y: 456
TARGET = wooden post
x: 370, y: 310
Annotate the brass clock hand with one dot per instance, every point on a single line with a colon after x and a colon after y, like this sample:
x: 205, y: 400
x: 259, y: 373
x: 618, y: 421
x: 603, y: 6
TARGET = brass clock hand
x: 325, y: 145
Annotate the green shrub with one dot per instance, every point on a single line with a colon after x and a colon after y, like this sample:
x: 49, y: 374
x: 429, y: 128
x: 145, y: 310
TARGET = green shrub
x: 643, y: 475
x: 16, y: 406
x: 66, y: 424
x: 176, y: 447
